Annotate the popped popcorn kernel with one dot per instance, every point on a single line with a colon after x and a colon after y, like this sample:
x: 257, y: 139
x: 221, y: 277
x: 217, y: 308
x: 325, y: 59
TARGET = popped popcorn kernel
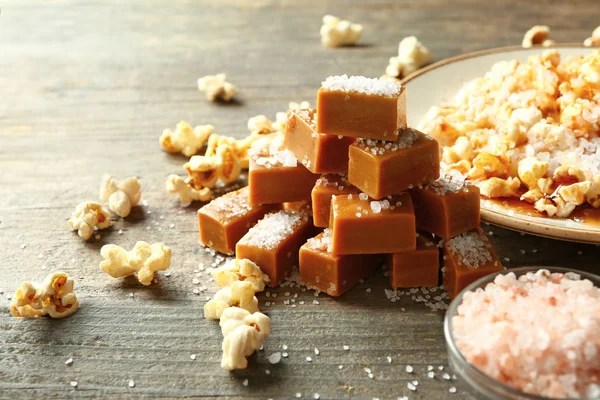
x: 120, y: 195
x: 185, y: 190
x: 89, y: 215
x: 54, y: 297
x: 499, y: 187
x: 336, y: 32
x: 240, y: 270
x: 185, y: 139
x: 243, y: 333
x: 530, y: 170
x: 593, y: 40
x: 144, y: 259
x: 537, y: 35
x: 260, y: 124
x: 412, y: 55
x: 593, y: 194
x: 238, y: 294
x: 224, y: 165
x: 215, y: 87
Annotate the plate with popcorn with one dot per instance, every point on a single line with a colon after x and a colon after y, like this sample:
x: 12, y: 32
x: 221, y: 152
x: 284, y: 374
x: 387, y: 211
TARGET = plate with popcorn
x: 522, y: 124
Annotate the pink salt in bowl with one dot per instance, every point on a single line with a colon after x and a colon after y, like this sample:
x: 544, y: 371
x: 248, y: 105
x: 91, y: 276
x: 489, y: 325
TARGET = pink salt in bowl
x: 479, y: 383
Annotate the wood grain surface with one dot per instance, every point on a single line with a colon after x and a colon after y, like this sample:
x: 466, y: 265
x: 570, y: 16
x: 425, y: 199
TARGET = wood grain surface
x: 86, y: 88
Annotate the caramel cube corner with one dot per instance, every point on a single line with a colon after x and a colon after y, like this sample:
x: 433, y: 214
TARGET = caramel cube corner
x: 446, y: 207
x: 279, y: 178
x: 361, y: 107
x: 466, y: 258
x: 273, y: 243
x: 327, y: 186
x: 383, y: 168
x: 330, y: 273
x: 415, y: 268
x: 365, y: 226
x: 318, y: 152
x: 224, y: 221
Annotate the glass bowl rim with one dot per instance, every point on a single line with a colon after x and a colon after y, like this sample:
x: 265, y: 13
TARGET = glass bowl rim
x: 480, y: 283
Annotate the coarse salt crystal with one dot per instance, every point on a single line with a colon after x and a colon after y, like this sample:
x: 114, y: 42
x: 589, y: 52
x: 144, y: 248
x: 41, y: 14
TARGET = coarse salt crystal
x: 361, y: 84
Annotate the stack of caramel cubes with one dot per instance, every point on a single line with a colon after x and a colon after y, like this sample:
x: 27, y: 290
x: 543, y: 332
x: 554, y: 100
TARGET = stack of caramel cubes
x: 351, y: 188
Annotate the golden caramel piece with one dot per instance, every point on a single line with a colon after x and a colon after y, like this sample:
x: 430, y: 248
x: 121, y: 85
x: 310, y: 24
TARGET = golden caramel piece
x: 224, y: 221
x: 466, y: 258
x: 302, y: 205
x: 273, y: 243
x: 325, y: 187
x: 318, y: 152
x: 362, y: 225
x: 415, y: 268
x: 330, y: 273
x: 361, y: 107
x: 279, y: 178
x: 446, y: 207
x: 383, y: 168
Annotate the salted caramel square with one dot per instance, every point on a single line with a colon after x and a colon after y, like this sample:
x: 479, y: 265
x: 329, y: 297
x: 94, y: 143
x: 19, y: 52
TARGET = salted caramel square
x: 446, y: 207
x: 224, y: 220
x: 327, y: 186
x: 415, y: 268
x: 273, y: 243
x: 331, y: 273
x: 361, y: 107
x: 466, y: 258
x: 279, y: 178
x: 318, y: 152
x: 361, y: 225
x: 381, y: 169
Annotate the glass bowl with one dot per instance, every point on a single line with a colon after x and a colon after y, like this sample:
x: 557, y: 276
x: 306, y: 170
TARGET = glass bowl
x: 474, y: 381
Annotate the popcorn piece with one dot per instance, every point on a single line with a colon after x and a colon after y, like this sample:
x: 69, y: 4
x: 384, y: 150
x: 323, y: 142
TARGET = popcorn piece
x: 545, y: 205
x: 498, y: 187
x: 412, y: 55
x: 461, y: 150
x: 487, y: 165
x: 243, y: 333
x: 593, y: 194
x: 229, y: 168
x: 145, y: 259
x: 530, y: 170
x: 186, y: 191
x: 260, y: 124
x: 238, y: 294
x: 54, y: 297
x: 240, y: 270
x: 593, y: 40
x: 184, y: 139
x: 203, y: 170
x: 532, y: 196
x: 216, y: 87
x: 537, y: 35
x: 121, y: 196
x: 337, y: 33
x: 87, y: 216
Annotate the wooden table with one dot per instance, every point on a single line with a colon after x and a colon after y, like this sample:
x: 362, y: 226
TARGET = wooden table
x: 87, y: 87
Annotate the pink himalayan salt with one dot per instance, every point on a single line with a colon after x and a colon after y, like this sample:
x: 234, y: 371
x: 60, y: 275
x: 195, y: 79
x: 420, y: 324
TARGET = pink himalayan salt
x: 539, y: 333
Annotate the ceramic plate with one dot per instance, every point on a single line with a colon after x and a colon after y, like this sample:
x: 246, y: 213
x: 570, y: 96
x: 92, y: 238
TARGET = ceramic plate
x: 439, y: 83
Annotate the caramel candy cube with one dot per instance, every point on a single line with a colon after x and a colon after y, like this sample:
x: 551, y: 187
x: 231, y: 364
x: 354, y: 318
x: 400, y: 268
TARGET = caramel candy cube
x: 301, y: 205
x: 383, y: 168
x: 318, y: 152
x: 415, y: 268
x: 273, y: 243
x: 446, y: 207
x: 224, y: 221
x: 327, y: 186
x: 364, y: 226
x: 279, y: 178
x: 330, y: 273
x: 361, y: 107
x: 467, y: 257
